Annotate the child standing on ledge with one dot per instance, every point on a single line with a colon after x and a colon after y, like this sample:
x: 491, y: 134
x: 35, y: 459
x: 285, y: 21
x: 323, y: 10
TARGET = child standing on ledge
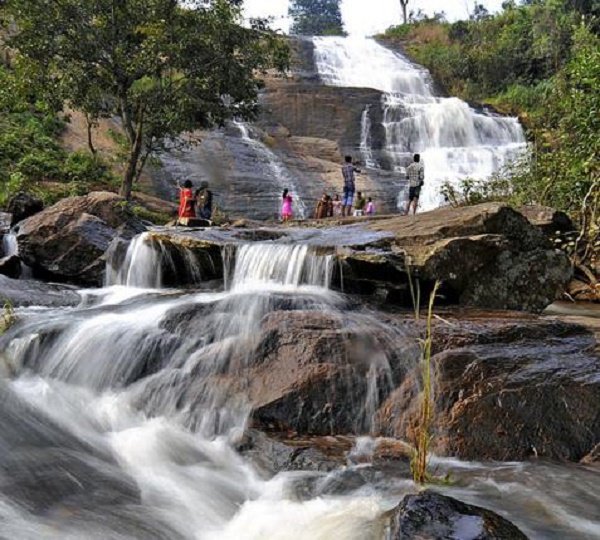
x: 286, y: 206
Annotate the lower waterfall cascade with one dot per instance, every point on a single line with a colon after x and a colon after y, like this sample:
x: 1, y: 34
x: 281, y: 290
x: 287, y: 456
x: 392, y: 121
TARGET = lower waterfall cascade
x: 122, y: 418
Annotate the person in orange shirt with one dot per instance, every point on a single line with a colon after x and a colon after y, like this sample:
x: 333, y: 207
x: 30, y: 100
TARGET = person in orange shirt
x: 186, y: 201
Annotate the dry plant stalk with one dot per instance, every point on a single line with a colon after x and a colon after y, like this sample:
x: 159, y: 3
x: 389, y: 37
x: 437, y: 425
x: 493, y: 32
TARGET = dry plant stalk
x: 420, y: 461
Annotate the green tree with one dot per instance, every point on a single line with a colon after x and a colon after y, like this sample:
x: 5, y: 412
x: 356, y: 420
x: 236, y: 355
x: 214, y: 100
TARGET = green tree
x: 316, y: 17
x: 161, y: 68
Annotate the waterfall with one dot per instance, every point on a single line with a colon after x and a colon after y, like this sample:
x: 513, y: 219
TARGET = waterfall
x: 10, y: 246
x: 277, y: 168
x: 365, y: 138
x: 141, y: 267
x: 288, y: 265
x: 455, y: 141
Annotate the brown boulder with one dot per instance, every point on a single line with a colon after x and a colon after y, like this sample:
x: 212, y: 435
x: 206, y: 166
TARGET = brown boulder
x: 506, y: 390
x: 487, y: 256
x: 67, y: 241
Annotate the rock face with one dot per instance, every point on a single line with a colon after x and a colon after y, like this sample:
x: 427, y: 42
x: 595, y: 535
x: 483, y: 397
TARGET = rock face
x: 431, y: 516
x: 487, y: 256
x: 498, y: 381
x: 10, y: 266
x: 22, y: 206
x: 67, y: 241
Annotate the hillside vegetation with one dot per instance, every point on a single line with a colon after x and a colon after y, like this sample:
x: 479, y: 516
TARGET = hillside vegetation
x: 540, y: 61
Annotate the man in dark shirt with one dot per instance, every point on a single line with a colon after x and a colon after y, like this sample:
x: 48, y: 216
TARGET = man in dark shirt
x: 204, y: 201
x: 348, y: 170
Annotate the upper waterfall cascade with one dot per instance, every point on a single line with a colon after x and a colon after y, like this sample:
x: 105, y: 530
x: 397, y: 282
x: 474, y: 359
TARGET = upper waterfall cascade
x: 455, y: 141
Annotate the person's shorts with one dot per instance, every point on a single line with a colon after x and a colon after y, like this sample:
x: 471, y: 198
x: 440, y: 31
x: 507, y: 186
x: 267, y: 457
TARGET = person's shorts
x: 414, y: 193
x: 348, y: 198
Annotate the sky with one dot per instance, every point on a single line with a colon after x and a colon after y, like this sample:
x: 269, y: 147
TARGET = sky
x: 367, y: 17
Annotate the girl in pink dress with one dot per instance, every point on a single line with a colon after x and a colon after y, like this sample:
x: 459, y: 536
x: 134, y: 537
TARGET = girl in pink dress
x: 286, y: 206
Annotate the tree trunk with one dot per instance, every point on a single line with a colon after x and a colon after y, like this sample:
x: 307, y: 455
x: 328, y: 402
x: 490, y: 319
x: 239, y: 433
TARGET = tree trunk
x: 404, y: 4
x: 134, y: 157
x: 90, y: 139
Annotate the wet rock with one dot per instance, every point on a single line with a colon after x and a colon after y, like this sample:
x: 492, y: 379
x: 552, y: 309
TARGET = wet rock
x: 274, y: 456
x: 5, y: 223
x: 431, y: 516
x: 22, y: 206
x: 67, y: 242
x: 10, y: 266
x: 506, y: 390
x: 24, y: 293
x: 313, y: 369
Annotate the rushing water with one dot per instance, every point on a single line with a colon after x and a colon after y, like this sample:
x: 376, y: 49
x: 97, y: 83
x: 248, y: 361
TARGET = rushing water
x: 456, y: 142
x: 9, y: 245
x: 277, y: 169
x: 118, y: 419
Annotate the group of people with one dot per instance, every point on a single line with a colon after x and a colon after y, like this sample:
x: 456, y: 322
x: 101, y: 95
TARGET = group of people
x: 198, y: 204
x: 359, y: 205
x: 334, y: 207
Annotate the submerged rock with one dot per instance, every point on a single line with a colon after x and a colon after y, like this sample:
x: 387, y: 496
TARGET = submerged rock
x: 67, y: 242
x: 431, y: 516
x: 24, y: 293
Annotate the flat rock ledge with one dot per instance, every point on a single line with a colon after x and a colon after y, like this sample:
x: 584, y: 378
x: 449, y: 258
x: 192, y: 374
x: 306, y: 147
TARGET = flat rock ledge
x: 487, y: 256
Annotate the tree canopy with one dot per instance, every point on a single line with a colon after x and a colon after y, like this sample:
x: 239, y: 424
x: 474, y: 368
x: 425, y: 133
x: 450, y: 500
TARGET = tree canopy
x: 161, y: 68
x: 316, y: 17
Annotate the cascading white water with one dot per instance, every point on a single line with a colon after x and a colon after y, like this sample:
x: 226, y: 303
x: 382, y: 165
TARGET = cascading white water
x: 142, y: 266
x: 455, y: 141
x: 278, y: 170
x: 288, y: 265
x: 10, y: 246
x: 121, y: 419
x: 365, y: 138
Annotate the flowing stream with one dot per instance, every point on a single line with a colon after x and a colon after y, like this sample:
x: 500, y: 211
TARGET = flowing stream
x: 456, y: 142
x: 121, y: 418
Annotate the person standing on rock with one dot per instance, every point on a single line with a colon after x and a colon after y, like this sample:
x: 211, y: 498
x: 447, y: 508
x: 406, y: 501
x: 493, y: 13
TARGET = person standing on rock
x: 204, y: 202
x: 186, y: 201
x: 415, y: 174
x: 348, y: 170
x: 286, y: 206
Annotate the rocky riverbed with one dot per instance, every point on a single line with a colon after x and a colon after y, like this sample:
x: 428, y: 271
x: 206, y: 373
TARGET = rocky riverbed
x: 291, y: 354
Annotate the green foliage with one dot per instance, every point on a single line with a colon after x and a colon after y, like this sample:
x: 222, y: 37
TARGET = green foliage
x: 157, y: 218
x: 541, y: 61
x: 30, y: 152
x: 316, y: 17
x: 163, y: 69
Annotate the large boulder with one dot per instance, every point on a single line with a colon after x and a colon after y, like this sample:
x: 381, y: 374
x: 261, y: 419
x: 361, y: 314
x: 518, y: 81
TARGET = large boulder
x: 432, y: 516
x: 506, y: 388
x: 488, y: 256
x: 22, y: 206
x: 67, y: 241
